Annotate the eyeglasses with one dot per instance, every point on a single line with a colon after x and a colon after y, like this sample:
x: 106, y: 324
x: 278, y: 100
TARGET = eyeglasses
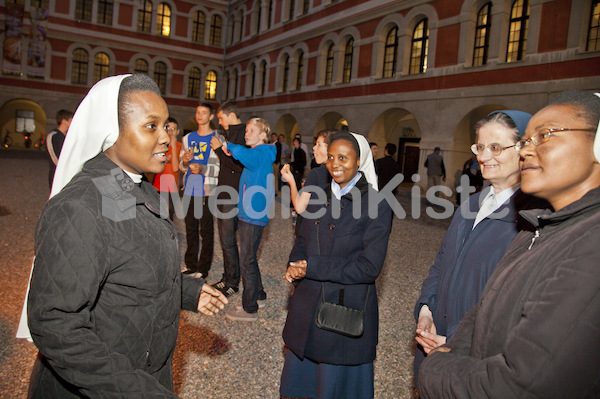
x: 494, y: 148
x: 544, y: 135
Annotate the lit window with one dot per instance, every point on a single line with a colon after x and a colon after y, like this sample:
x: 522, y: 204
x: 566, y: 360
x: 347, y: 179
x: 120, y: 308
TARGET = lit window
x: 194, y: 83
x: 482, y: 35
x: 517, y: 32
x: 141, y: 66
x: 593, y: 42
x: 329, y: 66
x: 163, y: 19
x: 160, y: 76
x: 83, y: 10
x: 210, y: 88
x: 198, y: 27
x: 101, y: 63
x: 144, y: 16
x: 105, y: 12
x: 215, y: 30
x: 39, y: 4
x: 79, y: 66
x: 25, y: 121
x: 419, y: 47
x: 390, y: 53
x: 348, y: 61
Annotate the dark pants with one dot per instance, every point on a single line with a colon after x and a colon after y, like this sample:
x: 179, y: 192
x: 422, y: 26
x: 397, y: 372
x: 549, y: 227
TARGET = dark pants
x: 206, y: 227
x: 250, y: 236
x: 231, y: 258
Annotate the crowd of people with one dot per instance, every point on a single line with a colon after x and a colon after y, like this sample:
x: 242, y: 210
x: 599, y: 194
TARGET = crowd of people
x: 510, y: 307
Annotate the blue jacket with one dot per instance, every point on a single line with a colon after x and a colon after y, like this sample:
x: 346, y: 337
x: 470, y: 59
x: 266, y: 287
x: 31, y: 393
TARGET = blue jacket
x: 345, y: 253
x: 256, y: 183
x: 467, y: 258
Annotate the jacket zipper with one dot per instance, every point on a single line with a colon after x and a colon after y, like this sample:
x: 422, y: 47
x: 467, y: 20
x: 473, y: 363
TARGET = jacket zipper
x: 536, y: 235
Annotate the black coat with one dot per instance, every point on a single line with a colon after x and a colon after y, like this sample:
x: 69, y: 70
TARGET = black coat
x: 344, y: 253
x: 106, y: 291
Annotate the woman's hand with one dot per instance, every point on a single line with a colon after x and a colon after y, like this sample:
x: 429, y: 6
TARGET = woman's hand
x: 211, y: 300
x: 295, y: 271
x: 429, y: 341
x: 286, y: 173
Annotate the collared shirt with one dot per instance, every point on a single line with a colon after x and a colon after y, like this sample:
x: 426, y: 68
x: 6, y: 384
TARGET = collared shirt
x: 493, y: 201
x: 339, y: 191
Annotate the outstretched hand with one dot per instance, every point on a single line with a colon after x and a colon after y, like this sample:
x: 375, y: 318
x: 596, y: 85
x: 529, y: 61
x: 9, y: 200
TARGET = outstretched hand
x: 211, y: 300
x: 286, y: 173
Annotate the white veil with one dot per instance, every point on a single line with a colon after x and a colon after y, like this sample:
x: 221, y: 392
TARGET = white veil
x: 367, y: 166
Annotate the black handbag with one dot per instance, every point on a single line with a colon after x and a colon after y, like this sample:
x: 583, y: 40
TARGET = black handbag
x: 341, y: 319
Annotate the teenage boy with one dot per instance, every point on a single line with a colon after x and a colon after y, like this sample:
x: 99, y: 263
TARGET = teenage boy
x: 201, y: 167
x: 55, y: 140
x: 256, y: 196
x: 229, y: 175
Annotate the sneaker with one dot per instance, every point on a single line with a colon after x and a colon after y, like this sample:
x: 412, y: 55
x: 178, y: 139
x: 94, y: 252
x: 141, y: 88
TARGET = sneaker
x: 229, y: 291
x: 262, y: 303
x: 194, y: 274
x: 237, y: 313
x: 220, y: 285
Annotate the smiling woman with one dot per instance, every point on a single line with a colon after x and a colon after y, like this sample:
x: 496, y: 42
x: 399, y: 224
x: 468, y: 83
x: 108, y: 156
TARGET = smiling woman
x: 535, y: 331
x: 102, y: 240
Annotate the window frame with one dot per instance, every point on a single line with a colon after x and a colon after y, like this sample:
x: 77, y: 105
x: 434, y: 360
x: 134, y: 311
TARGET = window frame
x: 163, y: 19
x: 101, y: 68
x: 390, y: 50
x: 210, y: 86
x: 198, y: 27
x: 82, y: 66
x: 144, y: 17
x: 348, y: 57
x: 593, y: 29
x: 419, y: 48
x: 194, y: 79
x: 481, y: 50
x: 521, y: 42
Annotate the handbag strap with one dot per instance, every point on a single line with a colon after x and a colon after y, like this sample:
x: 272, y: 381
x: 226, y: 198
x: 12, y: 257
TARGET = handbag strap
x: 323, y: 294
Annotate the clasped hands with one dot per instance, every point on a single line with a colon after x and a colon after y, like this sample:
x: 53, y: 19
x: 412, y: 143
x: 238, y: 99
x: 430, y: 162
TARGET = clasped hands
x: 427, y: 335
x: 295, y: 271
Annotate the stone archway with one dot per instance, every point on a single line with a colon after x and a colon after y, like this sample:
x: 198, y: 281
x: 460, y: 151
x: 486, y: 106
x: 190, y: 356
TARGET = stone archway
x: 21, y: 118
x: 331, y: 121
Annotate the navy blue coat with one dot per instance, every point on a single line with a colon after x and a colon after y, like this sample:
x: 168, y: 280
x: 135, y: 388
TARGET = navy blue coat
x: 345, y: 253
x: 467, y: 259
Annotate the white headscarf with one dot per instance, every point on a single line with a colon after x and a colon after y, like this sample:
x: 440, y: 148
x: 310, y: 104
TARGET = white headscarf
x: 367, y: 166
x: 94, y: 128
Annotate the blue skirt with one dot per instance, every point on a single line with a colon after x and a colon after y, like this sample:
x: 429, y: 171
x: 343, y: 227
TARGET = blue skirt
x: 308, y: 379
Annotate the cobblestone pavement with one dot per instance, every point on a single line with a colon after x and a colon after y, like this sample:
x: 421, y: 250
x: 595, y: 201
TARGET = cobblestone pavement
x: 216, y: 357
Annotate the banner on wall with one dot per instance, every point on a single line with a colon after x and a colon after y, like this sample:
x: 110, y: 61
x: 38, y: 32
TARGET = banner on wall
x: 11, y: 57
x: 36, y: 55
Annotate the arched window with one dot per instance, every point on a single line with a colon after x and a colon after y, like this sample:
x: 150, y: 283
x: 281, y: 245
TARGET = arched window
x: 258, y: 17
x: 215, y: 30
x: 300, y: 70
x: 292, y: 9
x: 348, y: 53
x: 390, y: 53
x: 226, y: 88
x: 263, y: 80
x: 305, y: 6
x: 517, y: 31
x: 144, y: 16
x: 241, y: 14
x: 252, y: 75
x: 198, y: 27
x: 105, y: 12
x: 194, y: 83
x: 79, y: 66
x: 83, y: 10
x: 163, y: 19
x: 593, y: 42
x: 418, y: 48
x: 286, y: 73
x: 141, y: 66
x: 160, y: 76
x: 482, y: 35
x: 210, y: 88
x: 329, y: 66
x: 101, y: 64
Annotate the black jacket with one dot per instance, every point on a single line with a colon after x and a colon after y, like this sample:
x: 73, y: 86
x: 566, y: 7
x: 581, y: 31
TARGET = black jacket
x: 534, y: 334
x: 231, y: 169
x: 345, y: 253
x: 106, y: 290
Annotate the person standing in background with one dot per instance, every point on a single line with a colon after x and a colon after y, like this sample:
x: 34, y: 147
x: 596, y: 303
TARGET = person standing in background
x: 229, y: 176
x: 168, y: 180
x: 55, y: 140
x: 436, y: 171
x: 387, y: 167
x: 374, y: 149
